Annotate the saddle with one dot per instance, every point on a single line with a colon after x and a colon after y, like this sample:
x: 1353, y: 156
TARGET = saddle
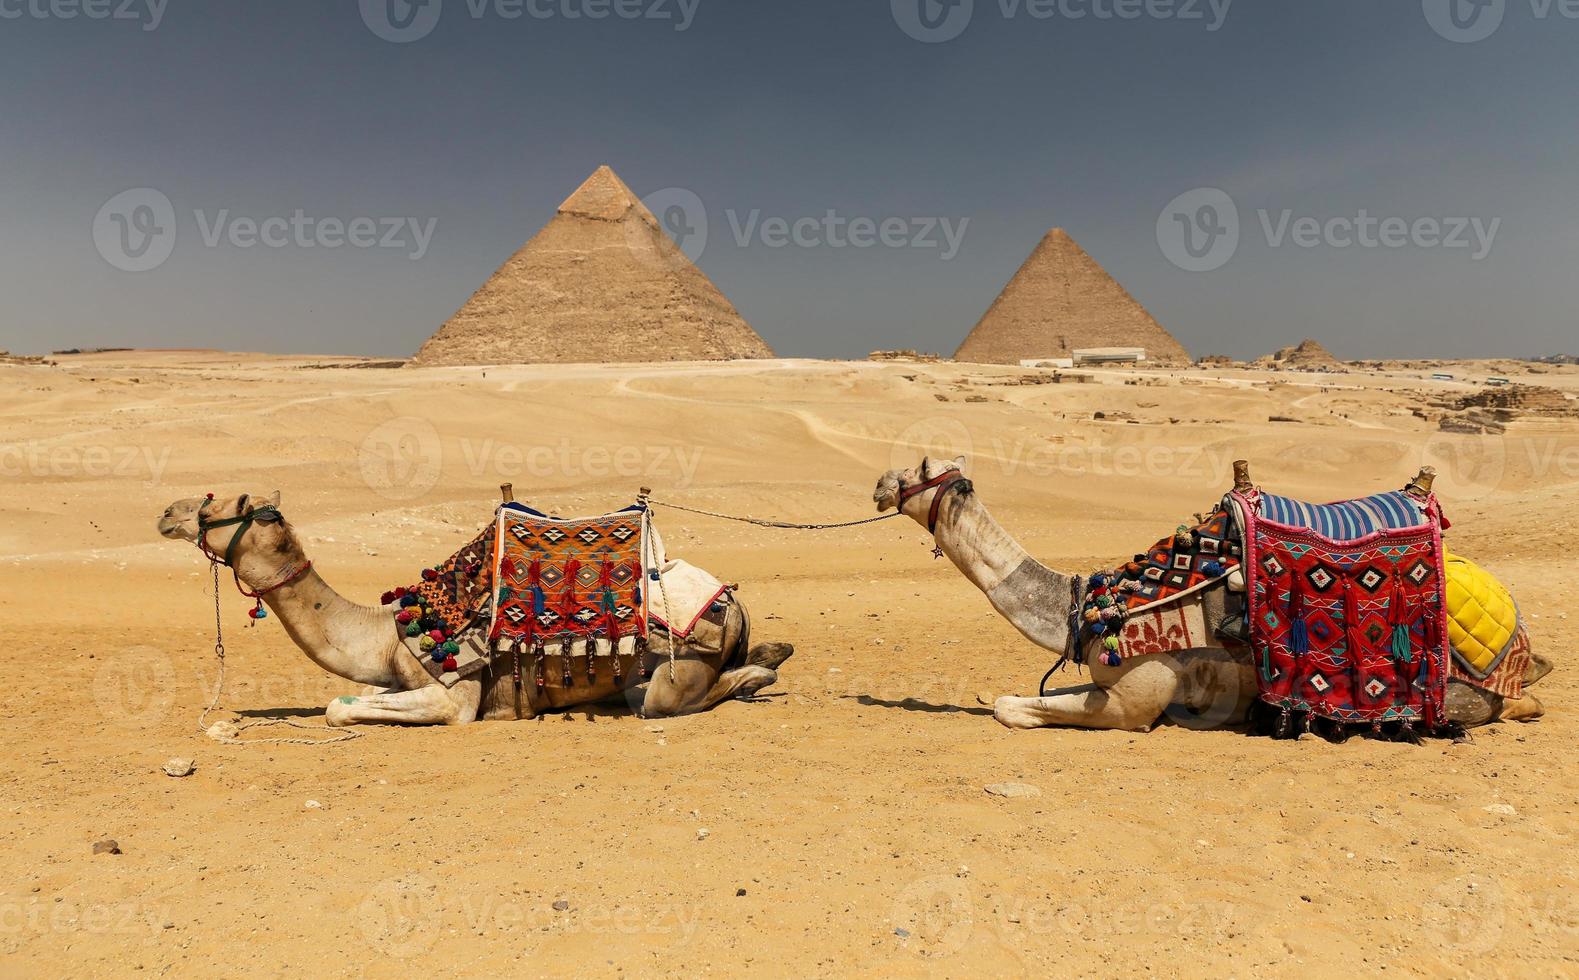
x: 532, y: 588
x: 1342, y: 605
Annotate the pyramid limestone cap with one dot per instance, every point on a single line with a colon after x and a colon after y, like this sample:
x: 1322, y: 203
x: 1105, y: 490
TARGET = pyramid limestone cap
x: 604, y: 197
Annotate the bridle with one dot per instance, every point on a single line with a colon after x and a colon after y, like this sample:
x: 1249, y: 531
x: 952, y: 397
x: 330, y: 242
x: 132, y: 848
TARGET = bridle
x: 943, y: 483
x: 267, y: 514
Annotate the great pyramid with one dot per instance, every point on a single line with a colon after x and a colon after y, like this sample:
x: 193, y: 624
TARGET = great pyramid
x: 600, y: 282
x: 1061, y: 300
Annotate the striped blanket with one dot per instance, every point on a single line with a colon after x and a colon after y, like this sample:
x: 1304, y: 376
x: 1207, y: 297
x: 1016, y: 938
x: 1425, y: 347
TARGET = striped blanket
x: 1349, y: 520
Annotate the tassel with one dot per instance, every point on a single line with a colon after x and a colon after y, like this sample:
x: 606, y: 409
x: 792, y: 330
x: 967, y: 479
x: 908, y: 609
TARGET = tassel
x: 564, y: 663
x: 1403, y: 649
x: 1299, y: 632
x: 539, y: 600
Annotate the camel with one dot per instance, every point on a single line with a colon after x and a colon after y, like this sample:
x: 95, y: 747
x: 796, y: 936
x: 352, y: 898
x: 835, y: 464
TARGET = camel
x: 362, y: 643
x: 1199, y: 688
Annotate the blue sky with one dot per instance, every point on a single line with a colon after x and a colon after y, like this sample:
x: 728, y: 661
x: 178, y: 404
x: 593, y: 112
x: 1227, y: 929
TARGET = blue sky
x: 446, y: 151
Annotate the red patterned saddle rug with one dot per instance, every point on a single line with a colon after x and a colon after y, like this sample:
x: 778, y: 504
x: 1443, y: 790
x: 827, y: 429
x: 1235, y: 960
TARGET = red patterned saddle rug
x: 567, y: 582
x: 1350, y: 630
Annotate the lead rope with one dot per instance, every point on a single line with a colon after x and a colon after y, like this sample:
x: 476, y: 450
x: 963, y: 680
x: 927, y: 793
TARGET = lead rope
x: 668, y: 617
x: 340, y: 735
x: 779, y: 524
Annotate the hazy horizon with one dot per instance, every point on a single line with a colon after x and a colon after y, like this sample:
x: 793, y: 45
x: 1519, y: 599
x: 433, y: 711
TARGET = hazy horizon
x: 319, y: 179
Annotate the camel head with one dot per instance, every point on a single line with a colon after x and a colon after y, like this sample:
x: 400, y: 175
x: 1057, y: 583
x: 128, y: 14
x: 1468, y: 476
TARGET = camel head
x: 269, y: 534
x: 893, y: 485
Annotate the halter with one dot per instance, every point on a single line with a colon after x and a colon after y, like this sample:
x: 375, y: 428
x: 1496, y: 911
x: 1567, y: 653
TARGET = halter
x: 943, y: 483
x: 267, y: 514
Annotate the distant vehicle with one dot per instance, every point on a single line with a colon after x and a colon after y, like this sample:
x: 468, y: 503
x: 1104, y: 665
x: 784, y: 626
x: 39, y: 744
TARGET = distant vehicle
x: 1498, y: 382
x: 1442, y: 377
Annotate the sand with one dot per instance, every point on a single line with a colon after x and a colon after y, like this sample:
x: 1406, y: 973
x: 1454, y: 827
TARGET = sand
x: 846, y: 824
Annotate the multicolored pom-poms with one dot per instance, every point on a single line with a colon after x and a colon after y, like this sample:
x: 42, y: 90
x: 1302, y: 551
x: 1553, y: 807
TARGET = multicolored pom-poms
x: 450, y: 665
x: 1212, y: 568
x: 387, y: 598
x: 408, y: 600
x: 1111, y: 659
x: 413, y: 629
x: 257, y: 613
x: 430, y: 575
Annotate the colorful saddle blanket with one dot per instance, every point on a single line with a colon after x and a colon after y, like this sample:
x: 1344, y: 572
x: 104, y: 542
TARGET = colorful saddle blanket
x: 569, y: 580
x: 1349, y: 629
x: 1135, y: 610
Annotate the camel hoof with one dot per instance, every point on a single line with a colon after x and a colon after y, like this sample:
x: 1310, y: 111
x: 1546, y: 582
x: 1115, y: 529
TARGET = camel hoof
x: 756, y: 678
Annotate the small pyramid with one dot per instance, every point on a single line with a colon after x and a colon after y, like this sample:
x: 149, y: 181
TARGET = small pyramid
x: 600, y: 282
x: 1061, y: 300
x: 1309, y: 355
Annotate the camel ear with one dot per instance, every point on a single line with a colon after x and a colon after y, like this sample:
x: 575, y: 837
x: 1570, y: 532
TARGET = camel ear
x: 244, y: 505
x: 274, y: 499
x: 926, y: 464
x: 959, y: 463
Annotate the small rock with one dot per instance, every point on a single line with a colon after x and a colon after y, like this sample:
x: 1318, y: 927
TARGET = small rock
x: 179, y: 767
x: 982, y: 697
x: 701, y: 833
x: 902, y: 933
x: 1013, y: 791
x: 740, y: 893
x: 106, y: 846
x: 313, y: 805
x: 1501, y: 808
x: 655, y: 729
x: 561, y: 905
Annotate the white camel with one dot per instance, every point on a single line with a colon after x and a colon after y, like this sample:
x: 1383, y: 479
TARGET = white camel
x: 362, y: 643
x: 1211, y: 685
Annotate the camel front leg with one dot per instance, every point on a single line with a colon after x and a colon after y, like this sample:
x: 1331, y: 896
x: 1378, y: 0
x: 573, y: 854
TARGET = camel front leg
x: 1132, y: 699
x: 696, y: 686
x: 433, y: 704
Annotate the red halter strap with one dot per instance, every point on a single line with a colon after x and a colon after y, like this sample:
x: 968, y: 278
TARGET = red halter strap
x: 942, y: 484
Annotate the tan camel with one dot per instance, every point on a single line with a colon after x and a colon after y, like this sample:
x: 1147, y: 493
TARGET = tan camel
x: 362, y: 644
x: 1200, y: 688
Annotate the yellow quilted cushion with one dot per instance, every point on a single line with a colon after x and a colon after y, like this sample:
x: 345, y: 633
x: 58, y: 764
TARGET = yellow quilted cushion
x: 1481, y: 616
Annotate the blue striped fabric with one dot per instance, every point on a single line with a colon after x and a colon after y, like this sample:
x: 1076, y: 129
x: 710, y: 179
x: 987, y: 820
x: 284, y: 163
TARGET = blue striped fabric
x: 1350, y: 519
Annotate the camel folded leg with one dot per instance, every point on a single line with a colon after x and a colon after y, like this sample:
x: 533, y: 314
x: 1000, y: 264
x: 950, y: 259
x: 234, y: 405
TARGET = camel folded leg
x: 1132, y: 701
x: 693, y: 687
x: 430, y: 705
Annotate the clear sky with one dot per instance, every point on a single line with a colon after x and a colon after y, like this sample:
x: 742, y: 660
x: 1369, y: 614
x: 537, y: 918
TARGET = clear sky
x: 1402, y: 171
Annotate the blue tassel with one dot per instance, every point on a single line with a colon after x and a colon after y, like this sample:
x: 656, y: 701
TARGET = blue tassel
x: 638, y: 594
x: 1299, y: 636
x: 539, y: 601
x: 1212, y: 569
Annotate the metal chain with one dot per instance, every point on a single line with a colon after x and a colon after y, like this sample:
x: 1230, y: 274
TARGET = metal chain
x: 783, y: 525
x: 340, y: 735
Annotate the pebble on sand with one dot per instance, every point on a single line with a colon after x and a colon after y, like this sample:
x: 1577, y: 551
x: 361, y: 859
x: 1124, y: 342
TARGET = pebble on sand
x: 106, y: 846
x: 1013, y: 791
x: 179, y: 767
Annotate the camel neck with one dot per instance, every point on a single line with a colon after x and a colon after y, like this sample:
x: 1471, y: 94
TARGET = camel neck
x: 1031, y: 596
x: 346, y: 639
